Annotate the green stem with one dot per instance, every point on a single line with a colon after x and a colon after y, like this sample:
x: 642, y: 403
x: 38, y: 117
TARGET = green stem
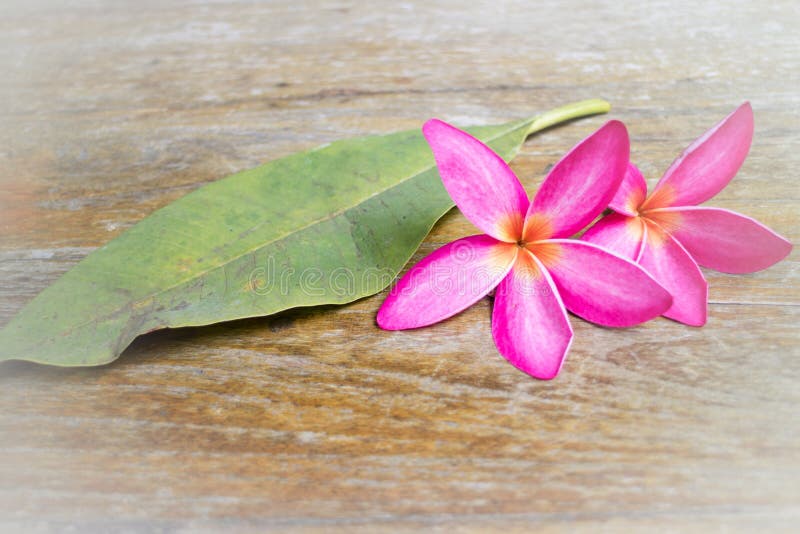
x: 561, y: 114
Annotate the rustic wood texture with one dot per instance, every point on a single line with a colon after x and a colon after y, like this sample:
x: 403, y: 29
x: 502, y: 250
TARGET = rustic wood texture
x: 315, y: 419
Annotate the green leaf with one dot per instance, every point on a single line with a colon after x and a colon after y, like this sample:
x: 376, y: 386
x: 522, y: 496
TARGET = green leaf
x: 327, y: 226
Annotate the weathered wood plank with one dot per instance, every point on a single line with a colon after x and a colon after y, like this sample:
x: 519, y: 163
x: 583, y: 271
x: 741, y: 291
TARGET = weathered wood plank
x: 315, y: 419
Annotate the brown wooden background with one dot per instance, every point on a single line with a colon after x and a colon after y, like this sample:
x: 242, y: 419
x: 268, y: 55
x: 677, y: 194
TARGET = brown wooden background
x: 315, y: 419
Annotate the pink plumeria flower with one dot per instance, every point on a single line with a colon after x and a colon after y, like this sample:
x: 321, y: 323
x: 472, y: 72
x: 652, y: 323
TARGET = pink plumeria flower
x: 539, y: 274
x: 669, y: 235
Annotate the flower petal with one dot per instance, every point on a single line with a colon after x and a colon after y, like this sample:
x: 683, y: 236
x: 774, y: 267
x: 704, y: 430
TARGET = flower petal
x: 582, y: 183
x: 673, y: 267
x: 631, y: 193
x: 708, y: 164
x: 725, y: 240
x: 602, y: 287
x: 618, y: 233
x: 529, y: 323
x: 446, y: 282
x: 480, y: 183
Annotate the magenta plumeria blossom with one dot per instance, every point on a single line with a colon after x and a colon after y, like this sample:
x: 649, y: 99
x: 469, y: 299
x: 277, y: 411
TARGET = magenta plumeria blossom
x: 524, y: 254
x: 669, y: 235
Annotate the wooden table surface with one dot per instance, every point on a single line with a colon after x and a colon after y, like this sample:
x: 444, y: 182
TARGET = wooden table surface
x: 315, y: 419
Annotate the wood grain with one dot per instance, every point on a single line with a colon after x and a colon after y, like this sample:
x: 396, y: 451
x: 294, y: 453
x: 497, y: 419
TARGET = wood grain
x: 315, y: 420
